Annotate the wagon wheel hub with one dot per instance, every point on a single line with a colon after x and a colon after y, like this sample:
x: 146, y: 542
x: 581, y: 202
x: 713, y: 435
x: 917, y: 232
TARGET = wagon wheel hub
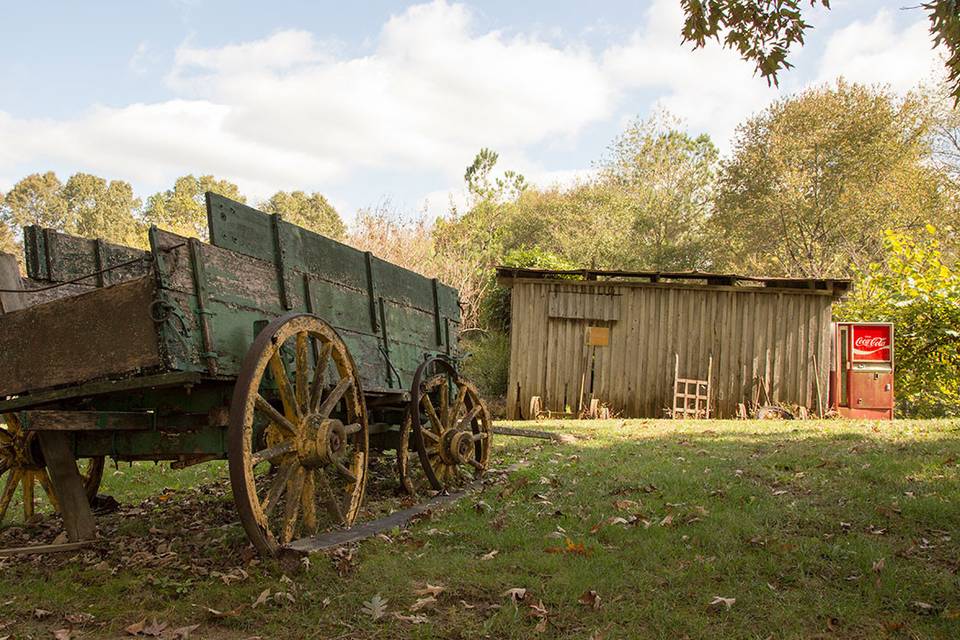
x: 457, y: 446
x: 323, y: 441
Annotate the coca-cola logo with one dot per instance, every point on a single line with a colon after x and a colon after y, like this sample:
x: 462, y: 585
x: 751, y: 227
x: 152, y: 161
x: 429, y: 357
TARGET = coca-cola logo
x: 870, y: 342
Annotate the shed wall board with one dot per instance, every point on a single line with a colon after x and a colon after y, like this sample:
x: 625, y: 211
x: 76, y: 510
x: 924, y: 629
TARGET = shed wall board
x: 750, y: 332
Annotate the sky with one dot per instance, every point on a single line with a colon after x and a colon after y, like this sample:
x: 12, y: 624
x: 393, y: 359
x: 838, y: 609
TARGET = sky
x: 376, y: 101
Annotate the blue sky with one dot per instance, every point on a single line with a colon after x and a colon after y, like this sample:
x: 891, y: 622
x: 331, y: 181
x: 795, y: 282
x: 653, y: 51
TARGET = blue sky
x: 378, y: 100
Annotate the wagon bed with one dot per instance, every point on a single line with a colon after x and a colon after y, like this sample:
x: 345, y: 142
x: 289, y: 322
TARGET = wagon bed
x: 148, y: 354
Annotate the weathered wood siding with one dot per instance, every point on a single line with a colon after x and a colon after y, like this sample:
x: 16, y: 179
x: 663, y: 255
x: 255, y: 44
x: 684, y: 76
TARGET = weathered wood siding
x: 750, y: 331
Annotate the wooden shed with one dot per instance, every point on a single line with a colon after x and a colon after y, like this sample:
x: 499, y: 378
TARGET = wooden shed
x: 620, y: 337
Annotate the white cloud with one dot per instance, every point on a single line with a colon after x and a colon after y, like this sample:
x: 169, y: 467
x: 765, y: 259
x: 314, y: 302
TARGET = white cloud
x: 876, y: 51
x: 711, y: 89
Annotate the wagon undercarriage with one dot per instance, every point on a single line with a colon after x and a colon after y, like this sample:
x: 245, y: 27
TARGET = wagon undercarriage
x: 294, y: 357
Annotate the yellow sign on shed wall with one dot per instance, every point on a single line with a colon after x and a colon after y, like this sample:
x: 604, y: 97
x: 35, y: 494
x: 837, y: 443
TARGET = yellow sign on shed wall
x: 598, y: 336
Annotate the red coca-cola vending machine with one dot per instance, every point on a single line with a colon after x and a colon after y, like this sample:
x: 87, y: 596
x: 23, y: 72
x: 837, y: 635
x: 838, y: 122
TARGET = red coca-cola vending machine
x: 861, y: 376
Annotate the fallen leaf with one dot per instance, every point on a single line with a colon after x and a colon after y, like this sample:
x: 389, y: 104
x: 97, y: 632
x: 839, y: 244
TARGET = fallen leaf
x: 590, y: 598
x: 224, y: 614
x: 667, y: 521
x: 137, y: 627
x: 261, y: 599
x: 720, y: 602
x: 429, y: 590
x: 423, y: 602
x: 182, y: 633
x: 40, y: 614
x: 626, y: 505
x: 375, y: 607
x: 490, y: 555
x: 155, y: 629
x: 78, y: 618
x: 879, y: 565
x: 923, y: 608
x: 62, y: 634
x: 517, y: 594
x: 411, y: 619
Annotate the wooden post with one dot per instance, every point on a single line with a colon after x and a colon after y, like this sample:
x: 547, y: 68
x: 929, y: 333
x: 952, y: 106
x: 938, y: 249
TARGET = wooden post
x: 68, y: 485
x: 709, y: 382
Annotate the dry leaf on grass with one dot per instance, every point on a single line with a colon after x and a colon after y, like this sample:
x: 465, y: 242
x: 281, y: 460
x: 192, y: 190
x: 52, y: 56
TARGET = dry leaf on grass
x: 429, y: 590
x: 78, y: 618
x: 429, y: 601
x: 720, y: 603
x: 261, y: 599
x: 411, y: 619
x: 490, y: 555
x: 517, y: 594
x: 40, y: 614
x: 136, y: 628
x: 62, y: 634
x: 590, y: 598
x: 667, y: 520
x: 224, y: 614
x: 155, y: 629
x: 183, y: 633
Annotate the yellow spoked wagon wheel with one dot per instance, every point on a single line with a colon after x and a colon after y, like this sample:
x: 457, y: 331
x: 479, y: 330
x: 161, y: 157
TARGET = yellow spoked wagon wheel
x: 446, y: 436
x: 298, y: 440
x: 22, y: 466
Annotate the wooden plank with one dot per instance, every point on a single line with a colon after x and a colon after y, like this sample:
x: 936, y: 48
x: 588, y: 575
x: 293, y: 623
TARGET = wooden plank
x: 78, y: 519
x: 40, y: 549
x: 107, y: 332
x: 87, y: 420
x: 53, y: 256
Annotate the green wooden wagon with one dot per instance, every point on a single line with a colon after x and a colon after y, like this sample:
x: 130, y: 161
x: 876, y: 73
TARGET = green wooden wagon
x: 291, y: 355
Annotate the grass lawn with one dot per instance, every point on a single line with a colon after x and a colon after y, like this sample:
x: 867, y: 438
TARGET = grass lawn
x: 791, y: 529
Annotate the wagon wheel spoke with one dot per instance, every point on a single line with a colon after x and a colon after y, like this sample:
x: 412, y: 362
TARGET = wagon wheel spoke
x: 278, y: 371
x: 292, y: 505
x: 300, y: 374
x: 319, y: 373
x: 47, y: 485
x: 430, y: 434
x: 334, y: 397
x: 13, y: 479
x: 346, y: 473
x: 332, y: 501
x: 308, y: 500
x: 478, y: 437
x: 458, y: 404
x: 267, y: 409
x: 277, y: 487
x: 468, y: 419
x: 273, y: 452
x: 27, y: 495
x: 432, y: 414
x: 445, y: 416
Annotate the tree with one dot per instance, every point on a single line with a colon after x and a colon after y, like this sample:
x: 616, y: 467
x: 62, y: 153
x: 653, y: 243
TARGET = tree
x: 663, y: 178
x: 98, y: 209
x: 310, y: 211
x: 763, y: 31
x: 815, y: 178
x: 182, y: 209
x: 920, y: 293
x: 37, y: 199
